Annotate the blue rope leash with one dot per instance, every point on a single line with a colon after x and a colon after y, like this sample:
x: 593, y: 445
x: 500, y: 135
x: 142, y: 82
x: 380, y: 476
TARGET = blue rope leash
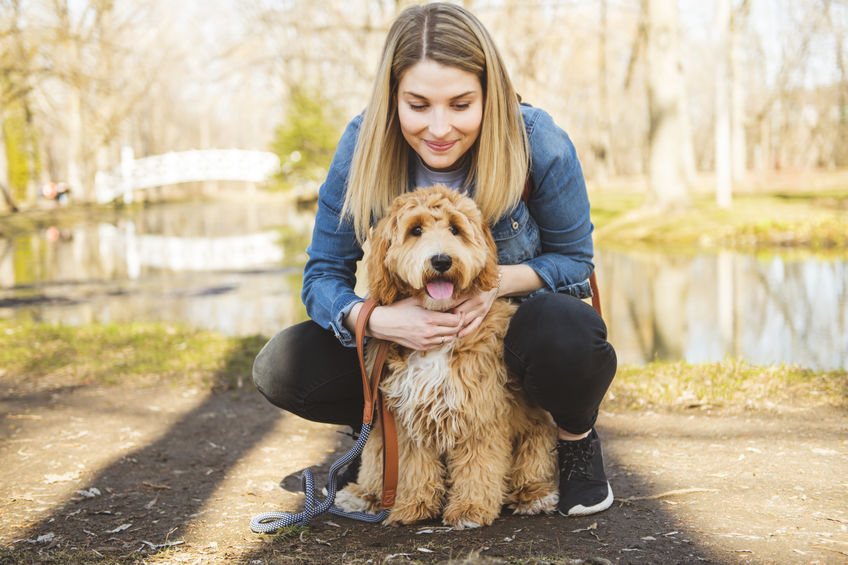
x: 269, y: 522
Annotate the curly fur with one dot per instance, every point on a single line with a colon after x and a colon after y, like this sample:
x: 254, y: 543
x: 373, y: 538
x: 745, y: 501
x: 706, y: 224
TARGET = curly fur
x: 469, y: 439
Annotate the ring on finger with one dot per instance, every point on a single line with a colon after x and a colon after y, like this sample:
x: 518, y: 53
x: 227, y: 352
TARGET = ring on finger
x: 443, y: 340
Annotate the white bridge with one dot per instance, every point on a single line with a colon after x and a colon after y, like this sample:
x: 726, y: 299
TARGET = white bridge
x: 178, y: 167
x: 124, y: 245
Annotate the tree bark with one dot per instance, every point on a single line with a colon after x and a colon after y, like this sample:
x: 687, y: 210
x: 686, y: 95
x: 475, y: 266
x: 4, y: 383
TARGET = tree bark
x: 665, y: 90
x: 723, y: 167
x: 4, y: 169
x: 603, y: 147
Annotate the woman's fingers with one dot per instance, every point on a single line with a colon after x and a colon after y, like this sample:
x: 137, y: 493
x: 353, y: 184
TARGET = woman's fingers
x: 473, y: 325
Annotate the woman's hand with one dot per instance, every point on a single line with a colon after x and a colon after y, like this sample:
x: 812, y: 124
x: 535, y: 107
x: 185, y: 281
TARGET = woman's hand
x: 513, y: 280
x: 408, y: 324
x: 473, y: 308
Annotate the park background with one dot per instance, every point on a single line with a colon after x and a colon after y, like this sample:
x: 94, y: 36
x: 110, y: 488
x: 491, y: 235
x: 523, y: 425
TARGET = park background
x: 713, y: 140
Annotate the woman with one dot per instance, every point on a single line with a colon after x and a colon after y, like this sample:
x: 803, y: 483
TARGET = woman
x: 443, y: 110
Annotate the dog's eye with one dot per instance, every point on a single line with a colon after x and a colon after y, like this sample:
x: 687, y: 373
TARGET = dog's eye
x: 454, y: 230
x: 416, y: 231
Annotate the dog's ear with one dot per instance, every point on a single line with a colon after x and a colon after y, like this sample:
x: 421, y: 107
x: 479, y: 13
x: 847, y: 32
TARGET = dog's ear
x: 382, y: 284
x: 488, y: 277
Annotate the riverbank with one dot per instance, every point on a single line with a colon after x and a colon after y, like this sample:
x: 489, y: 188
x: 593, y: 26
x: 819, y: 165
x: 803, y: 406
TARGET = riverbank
x: 147, y: 443
x: 776, y: 213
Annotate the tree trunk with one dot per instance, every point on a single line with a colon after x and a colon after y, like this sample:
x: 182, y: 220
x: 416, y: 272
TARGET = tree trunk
x: 603, y: 147
x: 665, y: 90
x: 724, y: 186
x: 4, y: 170
x: 74, y: 149
x: 739, y: 145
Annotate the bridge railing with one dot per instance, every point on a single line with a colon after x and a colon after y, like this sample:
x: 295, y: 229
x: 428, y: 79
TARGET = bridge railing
x: 185, y: 166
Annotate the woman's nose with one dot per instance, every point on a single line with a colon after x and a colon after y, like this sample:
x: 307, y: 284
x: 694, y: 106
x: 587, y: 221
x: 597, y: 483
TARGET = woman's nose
x: 439, y: 123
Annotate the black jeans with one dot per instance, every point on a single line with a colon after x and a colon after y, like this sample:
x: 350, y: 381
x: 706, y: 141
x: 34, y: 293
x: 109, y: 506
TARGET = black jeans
x: 556, y: 345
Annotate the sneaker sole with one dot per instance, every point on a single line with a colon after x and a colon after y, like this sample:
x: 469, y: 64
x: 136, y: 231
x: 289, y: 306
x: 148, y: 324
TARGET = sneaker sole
x: 581, y: 510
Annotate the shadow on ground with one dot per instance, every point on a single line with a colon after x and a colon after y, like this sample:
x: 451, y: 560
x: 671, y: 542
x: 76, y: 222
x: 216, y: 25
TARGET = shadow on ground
x: 627, y: 533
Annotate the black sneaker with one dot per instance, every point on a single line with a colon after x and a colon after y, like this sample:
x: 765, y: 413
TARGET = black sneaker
x: 583, y: 485
x: 349, y: 475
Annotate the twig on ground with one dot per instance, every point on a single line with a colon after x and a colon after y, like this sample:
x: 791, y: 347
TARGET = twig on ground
x: 630, y: 499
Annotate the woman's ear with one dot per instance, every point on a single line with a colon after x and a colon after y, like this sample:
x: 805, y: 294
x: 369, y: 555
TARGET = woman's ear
x: 382, y: 284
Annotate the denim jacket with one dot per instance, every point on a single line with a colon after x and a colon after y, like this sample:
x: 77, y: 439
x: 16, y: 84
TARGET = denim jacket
x: 552, y: 233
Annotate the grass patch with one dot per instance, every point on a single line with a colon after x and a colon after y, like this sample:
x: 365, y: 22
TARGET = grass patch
x: 817, y: 221
x: 124, y: 354
x: 293, y: 532
x: 730, y: 384
x: 34, y: 354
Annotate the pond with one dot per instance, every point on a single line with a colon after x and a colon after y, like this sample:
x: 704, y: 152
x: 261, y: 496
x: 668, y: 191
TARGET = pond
x: 235, y: 266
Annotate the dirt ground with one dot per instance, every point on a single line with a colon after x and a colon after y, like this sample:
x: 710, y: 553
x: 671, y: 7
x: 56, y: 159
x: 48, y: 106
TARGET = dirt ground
x: 174, y: 475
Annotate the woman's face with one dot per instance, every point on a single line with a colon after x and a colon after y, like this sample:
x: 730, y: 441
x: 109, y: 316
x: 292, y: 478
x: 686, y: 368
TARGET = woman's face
x: 440, y: 110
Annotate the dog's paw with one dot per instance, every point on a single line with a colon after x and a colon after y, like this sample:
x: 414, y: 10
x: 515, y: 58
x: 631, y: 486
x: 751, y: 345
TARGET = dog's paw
x: 546, y: 504
x: 411, y: 513
x: 352, y: 499
x: 465, y: 516
x: 462, y: 525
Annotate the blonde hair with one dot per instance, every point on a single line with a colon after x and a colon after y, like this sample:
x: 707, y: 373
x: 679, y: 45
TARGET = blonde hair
x: 449, y: 35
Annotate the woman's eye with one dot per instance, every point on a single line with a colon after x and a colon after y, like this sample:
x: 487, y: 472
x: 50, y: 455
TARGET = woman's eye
x: 462, y: 106
x: 418, y: 107
x: 416, y: 231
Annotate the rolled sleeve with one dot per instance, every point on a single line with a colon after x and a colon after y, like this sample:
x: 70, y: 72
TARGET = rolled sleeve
x: 342, y: 306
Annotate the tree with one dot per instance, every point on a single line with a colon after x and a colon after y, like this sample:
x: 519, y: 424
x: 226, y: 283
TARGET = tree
x: 307, y: 139
x: 665, y: 94
x: 723, y: 143
x: 20, y: 159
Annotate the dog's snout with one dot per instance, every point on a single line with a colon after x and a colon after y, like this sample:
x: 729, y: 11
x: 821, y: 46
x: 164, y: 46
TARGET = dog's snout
x: 441, y: 262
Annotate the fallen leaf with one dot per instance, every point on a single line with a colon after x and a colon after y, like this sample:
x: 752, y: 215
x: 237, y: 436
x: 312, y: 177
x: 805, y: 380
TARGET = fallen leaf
x: 161, y: 545
x: 434, y: 530
x: 120, y: 528
x: 151, y: 485
x: 90, y: 493
x: 593, y: 526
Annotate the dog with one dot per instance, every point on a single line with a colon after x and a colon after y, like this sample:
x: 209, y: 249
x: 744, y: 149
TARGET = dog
x: 469, y: 439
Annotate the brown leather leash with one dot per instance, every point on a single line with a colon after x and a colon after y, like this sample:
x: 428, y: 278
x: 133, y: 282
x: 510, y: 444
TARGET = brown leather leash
x: 371, y: 393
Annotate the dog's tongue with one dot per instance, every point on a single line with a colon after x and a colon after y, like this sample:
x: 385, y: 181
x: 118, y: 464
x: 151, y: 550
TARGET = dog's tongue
x: 440, y: 289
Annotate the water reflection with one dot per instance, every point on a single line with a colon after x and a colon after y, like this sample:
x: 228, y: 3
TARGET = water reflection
x: 707, y: 307
x: 235, y: 267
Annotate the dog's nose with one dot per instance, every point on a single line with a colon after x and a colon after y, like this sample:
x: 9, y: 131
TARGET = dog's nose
x: 441, y: 262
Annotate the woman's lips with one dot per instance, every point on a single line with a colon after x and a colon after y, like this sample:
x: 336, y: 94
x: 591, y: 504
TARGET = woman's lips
x: 440, y: 146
